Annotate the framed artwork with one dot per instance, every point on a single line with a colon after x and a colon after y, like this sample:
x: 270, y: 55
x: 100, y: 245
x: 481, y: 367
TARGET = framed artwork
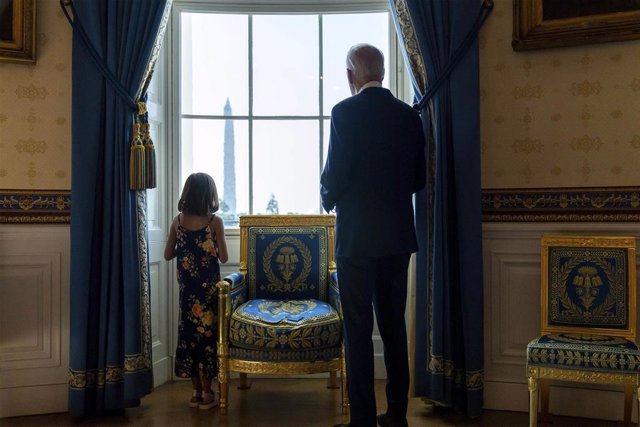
x: 542, y: 24
x: 18, y: 31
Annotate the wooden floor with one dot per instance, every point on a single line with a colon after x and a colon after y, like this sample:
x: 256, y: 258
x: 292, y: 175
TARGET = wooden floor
x: 278, y: 403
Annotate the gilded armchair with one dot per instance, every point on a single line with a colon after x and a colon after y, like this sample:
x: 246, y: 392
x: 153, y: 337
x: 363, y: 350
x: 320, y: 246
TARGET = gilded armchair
x: 588, y: 318
x: 280, y: 314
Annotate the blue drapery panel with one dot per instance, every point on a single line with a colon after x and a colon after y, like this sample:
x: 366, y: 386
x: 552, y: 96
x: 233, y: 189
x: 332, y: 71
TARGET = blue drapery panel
x: 449, y: 314
x: 110, y: 363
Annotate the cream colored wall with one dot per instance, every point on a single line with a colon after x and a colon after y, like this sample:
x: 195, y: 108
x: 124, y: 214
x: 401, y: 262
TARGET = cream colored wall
x: 549, y: 118
x: 35, y: 109
x: 565, y: 117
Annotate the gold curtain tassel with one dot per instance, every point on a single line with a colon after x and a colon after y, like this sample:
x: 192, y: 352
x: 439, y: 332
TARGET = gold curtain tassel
x: 149, y: 157
x: 136, y: 160
x: 142, y: 108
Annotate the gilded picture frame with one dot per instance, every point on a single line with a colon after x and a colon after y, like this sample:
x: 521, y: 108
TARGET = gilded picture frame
x: 622, y: 247
x: 543, y: 24
x: 18, y: 31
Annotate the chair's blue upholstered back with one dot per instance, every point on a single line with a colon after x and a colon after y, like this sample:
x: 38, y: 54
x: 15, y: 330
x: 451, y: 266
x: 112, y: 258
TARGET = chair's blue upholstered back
x: 288, y: 262
x: 588, y: 287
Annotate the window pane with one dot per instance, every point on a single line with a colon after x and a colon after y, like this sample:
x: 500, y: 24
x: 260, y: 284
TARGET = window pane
x: 285, y: 65
x: 340, y: 32
x: 214, y: 63
x: 221, y: 149
x: 286, y: 167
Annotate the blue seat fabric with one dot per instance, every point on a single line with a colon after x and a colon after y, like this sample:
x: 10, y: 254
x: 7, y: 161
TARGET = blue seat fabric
x: 297, y: 325
x: 584, y: 352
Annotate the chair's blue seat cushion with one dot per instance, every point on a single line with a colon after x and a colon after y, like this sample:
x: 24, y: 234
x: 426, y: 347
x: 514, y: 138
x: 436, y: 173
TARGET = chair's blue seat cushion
x: 286, y: 355
x: 587, y: 352
x: 306, y: 324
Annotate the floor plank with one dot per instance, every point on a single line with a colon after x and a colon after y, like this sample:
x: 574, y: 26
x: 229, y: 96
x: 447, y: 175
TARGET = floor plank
x: 279, y: 403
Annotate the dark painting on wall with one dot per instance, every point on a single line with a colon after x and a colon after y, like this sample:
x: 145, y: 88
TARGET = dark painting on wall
x: 6, y: 20
x: 543, y: 24
x: 17, y: 31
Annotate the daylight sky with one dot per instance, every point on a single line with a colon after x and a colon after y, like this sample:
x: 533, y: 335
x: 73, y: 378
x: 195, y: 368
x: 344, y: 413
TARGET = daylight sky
x: 286, y: 69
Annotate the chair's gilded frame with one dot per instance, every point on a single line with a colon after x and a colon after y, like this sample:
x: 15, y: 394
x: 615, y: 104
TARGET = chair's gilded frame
x: 539, y: 377
x: 228, y: 364
x: 626, y: 243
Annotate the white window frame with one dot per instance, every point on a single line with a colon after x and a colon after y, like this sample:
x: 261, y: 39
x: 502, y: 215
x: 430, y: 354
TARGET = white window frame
x: 398, y: 84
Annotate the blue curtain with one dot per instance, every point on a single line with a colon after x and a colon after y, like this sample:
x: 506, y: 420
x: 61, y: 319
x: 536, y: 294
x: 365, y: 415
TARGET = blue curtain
x: 110, y: 364
x: 448, y: 362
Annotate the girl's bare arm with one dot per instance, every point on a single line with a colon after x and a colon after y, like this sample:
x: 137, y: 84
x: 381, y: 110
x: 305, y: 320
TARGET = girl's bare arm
x: 223, y: 255
x: 170, y: 247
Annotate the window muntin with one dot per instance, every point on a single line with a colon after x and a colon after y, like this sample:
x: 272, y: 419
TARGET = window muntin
x: 281, y: 74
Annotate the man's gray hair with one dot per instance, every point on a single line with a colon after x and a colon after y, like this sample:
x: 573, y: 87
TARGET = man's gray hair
x: 366, y: 62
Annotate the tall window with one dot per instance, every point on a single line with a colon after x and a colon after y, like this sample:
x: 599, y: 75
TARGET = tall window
x: 256, y: 92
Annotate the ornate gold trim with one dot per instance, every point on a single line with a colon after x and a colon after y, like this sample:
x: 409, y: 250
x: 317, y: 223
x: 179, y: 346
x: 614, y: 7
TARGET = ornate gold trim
x: 287, y: 220
x: 96, y: 377
x: 155, y: 51
x: 597, y: 204
x: 284, y: 368
x: 144, y: 359
x: 35, y: 206
x: 589, y: 377
x: 411, y: 45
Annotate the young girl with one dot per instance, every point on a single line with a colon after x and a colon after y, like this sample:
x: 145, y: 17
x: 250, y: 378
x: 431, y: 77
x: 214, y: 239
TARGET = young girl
x: 196, y: 238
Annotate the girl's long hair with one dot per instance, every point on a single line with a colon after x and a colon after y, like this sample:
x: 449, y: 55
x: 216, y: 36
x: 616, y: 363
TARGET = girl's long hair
x: 199, y: 195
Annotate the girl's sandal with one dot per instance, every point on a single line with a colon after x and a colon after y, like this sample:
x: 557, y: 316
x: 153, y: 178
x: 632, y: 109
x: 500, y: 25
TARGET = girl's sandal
x: 209, y: 400
x: 196, y: 399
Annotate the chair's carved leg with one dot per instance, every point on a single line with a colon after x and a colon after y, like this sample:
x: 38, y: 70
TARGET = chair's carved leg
x: 533, y: 397
x: 544, y: 399
x: 628, y: 404
x: 223, y: 381
x: 333, y: 380
x: 343, y: 381
x: 224, y: 304
x: 638, y: 401
x: 244, y: 384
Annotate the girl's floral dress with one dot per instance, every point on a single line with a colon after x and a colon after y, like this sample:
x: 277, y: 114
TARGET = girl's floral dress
x: 198, y: 273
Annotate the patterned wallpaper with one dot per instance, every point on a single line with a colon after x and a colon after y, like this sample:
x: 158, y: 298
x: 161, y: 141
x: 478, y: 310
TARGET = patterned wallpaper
x: 35, y: 109
x: 566, y: 117
x: 551, y: 118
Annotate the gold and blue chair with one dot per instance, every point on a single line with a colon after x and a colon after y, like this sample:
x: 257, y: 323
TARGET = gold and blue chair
x: 280, y: 314
x: 588, y: 318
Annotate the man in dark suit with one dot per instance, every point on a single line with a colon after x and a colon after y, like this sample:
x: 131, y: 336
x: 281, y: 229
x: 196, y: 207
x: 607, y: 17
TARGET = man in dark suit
x: 375, y: 163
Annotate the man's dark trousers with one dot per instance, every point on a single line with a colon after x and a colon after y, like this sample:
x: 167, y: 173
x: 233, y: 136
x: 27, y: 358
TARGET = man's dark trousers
x: 380, y: 280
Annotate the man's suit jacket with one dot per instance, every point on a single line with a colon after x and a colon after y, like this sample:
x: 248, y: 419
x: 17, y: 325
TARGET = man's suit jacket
x: 375, y: 163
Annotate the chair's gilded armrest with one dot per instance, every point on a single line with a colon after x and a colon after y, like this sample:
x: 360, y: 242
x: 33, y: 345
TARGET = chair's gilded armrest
x: 235, y: 286
x: 232, y: 291
x: 238, y: 291
x: 334, y: 292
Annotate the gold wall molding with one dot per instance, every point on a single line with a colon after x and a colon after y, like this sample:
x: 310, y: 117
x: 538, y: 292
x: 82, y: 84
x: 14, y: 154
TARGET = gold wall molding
x: 35, y: 206
x: 604, y: 204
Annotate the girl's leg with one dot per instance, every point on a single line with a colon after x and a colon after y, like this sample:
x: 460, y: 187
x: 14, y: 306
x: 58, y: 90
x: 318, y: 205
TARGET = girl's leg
x: 196, y: 397
x: 209, y: 398
x: 206, y: 384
